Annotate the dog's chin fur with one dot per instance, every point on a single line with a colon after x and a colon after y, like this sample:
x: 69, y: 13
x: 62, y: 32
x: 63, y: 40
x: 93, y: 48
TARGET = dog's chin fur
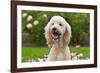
x: 59, y: 46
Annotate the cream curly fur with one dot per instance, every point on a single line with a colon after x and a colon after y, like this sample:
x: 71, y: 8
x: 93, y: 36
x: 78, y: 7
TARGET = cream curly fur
x: 58, y: 43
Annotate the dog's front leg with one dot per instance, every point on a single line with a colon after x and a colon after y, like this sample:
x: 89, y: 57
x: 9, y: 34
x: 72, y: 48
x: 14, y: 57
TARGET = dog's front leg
x: 67, y: 54
x: 52, y: 55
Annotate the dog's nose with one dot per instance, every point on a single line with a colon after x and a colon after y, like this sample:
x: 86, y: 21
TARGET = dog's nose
x: 54, y: 29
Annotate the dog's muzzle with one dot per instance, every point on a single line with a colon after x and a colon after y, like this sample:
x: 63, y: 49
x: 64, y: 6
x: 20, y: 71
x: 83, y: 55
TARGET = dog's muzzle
x: 55, y: 34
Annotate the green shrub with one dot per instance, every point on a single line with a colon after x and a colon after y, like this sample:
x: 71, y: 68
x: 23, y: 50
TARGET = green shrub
x: 79, y: 23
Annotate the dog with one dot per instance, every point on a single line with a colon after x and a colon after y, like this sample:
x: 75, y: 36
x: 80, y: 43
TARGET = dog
x: 58, y: 36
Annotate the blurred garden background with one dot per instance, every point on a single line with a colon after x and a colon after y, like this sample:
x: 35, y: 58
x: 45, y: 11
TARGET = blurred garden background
x: 34, y: 46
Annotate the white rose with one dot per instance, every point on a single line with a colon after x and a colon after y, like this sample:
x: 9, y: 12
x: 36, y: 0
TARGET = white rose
x: 36, y: 22
x: 73, y: 54
x: 24, y: 15
x: 45, y: 15
x: 29, y: 25
x: 75, y: 58
x: 81, y: 54
x: 29, y: 18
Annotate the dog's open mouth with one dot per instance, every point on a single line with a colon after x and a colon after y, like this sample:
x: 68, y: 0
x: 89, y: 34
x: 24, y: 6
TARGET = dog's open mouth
x: 56, y: 35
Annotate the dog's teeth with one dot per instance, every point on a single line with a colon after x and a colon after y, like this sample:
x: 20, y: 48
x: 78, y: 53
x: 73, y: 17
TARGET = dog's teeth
x: 55, y: 37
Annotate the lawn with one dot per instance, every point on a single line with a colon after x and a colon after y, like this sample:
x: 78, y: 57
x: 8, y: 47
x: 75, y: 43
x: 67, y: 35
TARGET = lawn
x: 39, y: 52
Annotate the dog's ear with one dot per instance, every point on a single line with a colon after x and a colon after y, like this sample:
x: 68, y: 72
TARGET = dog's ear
x: 48, y: 36
x: 67, y: 36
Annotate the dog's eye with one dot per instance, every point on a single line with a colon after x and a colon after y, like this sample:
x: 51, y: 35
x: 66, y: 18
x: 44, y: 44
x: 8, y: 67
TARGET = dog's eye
x: 53, y: 24
x: 60, y: 24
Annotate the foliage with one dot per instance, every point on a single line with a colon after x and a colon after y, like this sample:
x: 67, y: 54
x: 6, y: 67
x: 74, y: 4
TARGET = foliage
x: 38, y: 19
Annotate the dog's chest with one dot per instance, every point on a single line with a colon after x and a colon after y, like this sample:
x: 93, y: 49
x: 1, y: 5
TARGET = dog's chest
x: 60, y: 56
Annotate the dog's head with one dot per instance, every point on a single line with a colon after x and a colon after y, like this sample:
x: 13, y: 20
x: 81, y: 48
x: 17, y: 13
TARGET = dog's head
x: 57, y: 28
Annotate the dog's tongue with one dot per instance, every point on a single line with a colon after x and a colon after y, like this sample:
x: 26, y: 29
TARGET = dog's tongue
x: 55, y: 37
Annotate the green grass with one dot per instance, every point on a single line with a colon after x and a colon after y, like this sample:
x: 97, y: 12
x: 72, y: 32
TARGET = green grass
x: 84, y: 50
x: 34, y: 53
x: 39, y: 52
